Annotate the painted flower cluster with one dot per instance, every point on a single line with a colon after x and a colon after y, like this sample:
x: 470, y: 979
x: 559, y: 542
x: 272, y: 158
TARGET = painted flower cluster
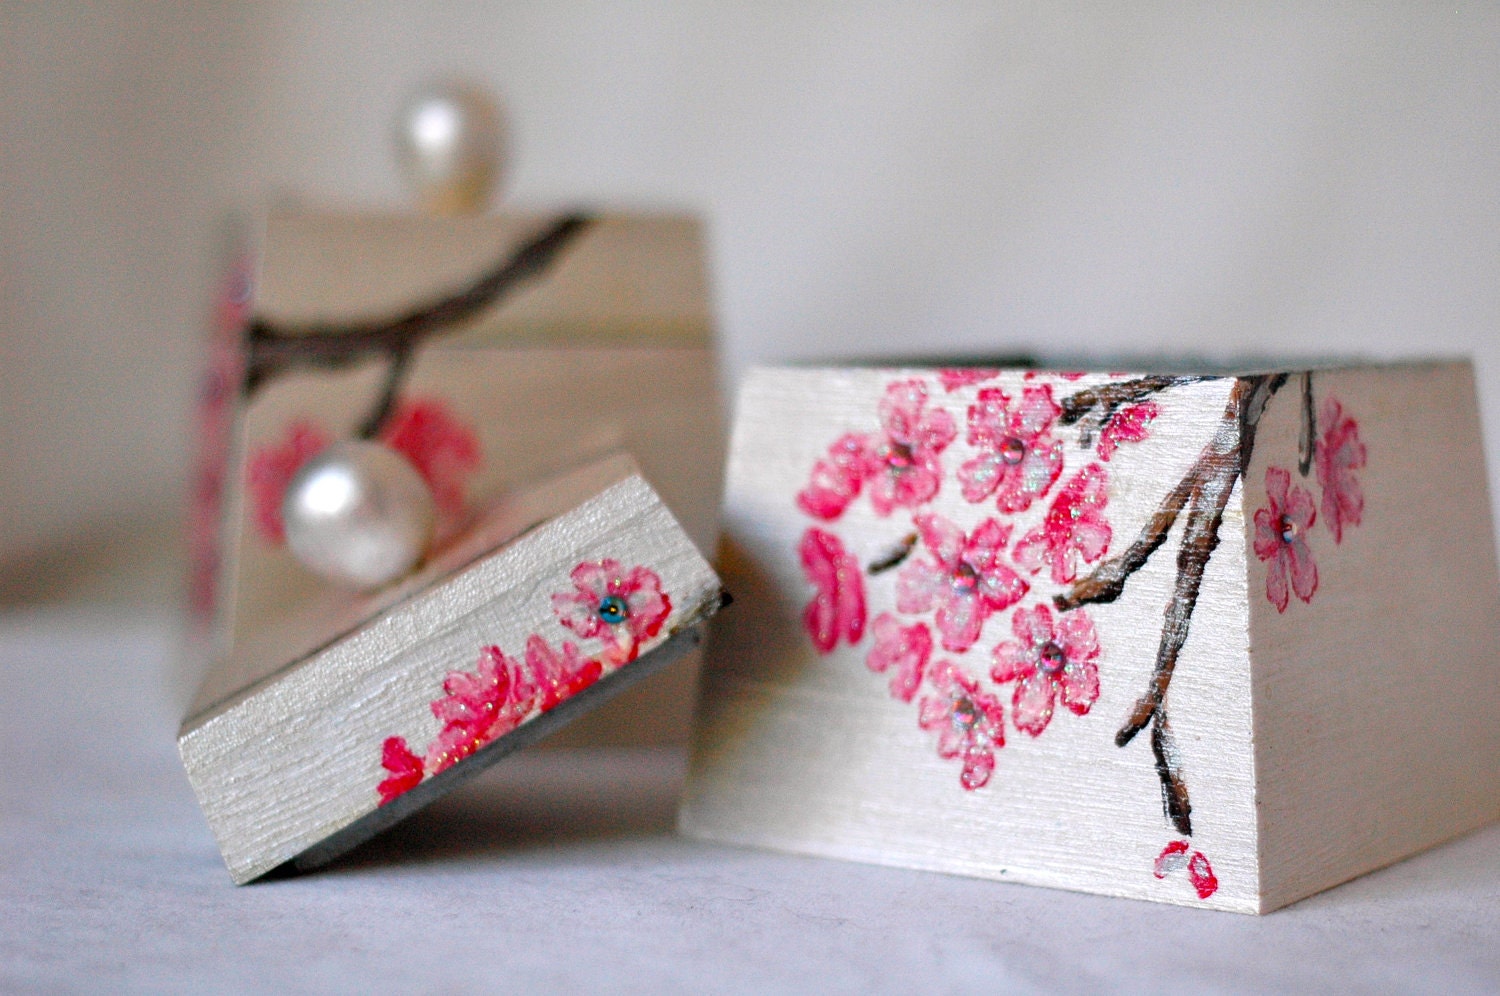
x: 617, y: 608
x: 440, y: 445
x: 1041, y: 502
x: 1283, y: 527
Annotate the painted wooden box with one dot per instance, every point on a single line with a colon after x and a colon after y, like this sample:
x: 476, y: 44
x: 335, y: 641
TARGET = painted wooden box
x: 559, y: 597
x: 1215, y: 640
x: 491, y: 352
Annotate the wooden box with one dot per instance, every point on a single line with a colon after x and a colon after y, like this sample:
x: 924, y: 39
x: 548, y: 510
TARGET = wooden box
x: 1214, y: 640
x: 494, y: 352
x: 557, y: 598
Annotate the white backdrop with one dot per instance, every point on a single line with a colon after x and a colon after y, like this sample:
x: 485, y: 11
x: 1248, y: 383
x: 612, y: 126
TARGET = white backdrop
x: 1295, y: 180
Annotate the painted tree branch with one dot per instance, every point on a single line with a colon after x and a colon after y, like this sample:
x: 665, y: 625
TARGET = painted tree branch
x: 1204, y: 492
x: 275, y: 349
x: 1107, y: 582
x: 1307, y: 437
x: 1092, y: 408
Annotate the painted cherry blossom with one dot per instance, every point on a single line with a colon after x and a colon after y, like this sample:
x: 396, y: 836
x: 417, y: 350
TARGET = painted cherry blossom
x: 1339, y: 454
x: 1074, y: 528
x: 902, y: 467
x: 1129, y: 425
x: 406, y: 769
x: 837, y: 609
x: 901, y: 650
x: 964, y: 578
x: 1049, y: 664
x: 272, y: 469
x: 954, y: 378
x: 1281, y: 540
x: 479, y: 707
x: 1018, y: 459
x: 968, y: 721
x: 622, y: 608
x: 444, y: 450
x: 1175, y: 857
x: 836, y: 479
x: 559, y: 673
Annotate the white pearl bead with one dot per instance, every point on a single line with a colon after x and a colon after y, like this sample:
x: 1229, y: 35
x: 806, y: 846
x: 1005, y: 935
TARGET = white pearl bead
x: 359, y: 514
x: 450, y: 144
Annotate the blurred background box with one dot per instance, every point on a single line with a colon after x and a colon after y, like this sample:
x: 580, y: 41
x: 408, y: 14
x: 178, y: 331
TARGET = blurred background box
x: 605, y: 343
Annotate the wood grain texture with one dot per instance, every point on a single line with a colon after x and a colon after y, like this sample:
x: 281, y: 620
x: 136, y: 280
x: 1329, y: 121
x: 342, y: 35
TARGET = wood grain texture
x: 812, y: 752
x: 293, y: 759
x: 1377, y: 704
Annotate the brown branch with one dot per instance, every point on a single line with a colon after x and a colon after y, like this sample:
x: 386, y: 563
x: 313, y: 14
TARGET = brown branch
x: 275, y: 349
x: 1200, y: 539
x: 1107, y: 581
x: 1307, y: 437
x: 1174, y: 792
x: 893, y: 557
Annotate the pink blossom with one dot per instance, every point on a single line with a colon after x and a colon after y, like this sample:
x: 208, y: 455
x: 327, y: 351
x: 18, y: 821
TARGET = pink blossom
x: 1074, y: 528
x: 444, y: 450
x: 1281, y: 539
x: 836, y: 479
x: 901, y: 465
x: 1175, y: 856
x: 479, y: 707
x: 837, y: 610
x: 965, y: 578
x: 1129, y: 425
x: 969, y: 722
x: 902, y: 650
x: 1018, y: 459
x: 272, y: 469
x: 954, y: 378
x: 405, y: 769
x: 622, y: 608
x: 559, y: 674
x: 1048, y: 664
x: 898, y: 465
x: 1339, y: 454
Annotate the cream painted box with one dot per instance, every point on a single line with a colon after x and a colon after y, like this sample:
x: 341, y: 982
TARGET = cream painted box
x: 1214, y: 640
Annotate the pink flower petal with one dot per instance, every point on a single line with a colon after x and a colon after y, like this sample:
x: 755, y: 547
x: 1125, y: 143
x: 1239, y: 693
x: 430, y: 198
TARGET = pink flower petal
x: 1076, y: 635
x: 1078, y: 686
x: 959, y: 620
x: 1201, y: 874
x: 1012, y: 661
x: 1031, y: 706
x: 1267, y: 532
x: 1172, y: 857
x: 405, y: 769
x: 1302, y: 568
x: 978, y: 766
x: 1276, y: 581
x: 443, y: 448
x: 902, y: 650
x: 837, y: 609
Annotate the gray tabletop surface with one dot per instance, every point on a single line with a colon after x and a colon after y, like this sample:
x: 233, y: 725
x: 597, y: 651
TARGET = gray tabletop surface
x: 559, y: 871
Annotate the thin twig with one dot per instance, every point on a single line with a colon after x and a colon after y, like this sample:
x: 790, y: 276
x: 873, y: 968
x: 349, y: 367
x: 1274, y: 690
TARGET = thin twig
x: 1092, y: 408
x: 386, y: 402
x: 1174, y: 791
x: 893, y: 557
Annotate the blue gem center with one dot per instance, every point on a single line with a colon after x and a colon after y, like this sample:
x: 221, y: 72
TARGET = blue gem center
x: 613, y: 610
